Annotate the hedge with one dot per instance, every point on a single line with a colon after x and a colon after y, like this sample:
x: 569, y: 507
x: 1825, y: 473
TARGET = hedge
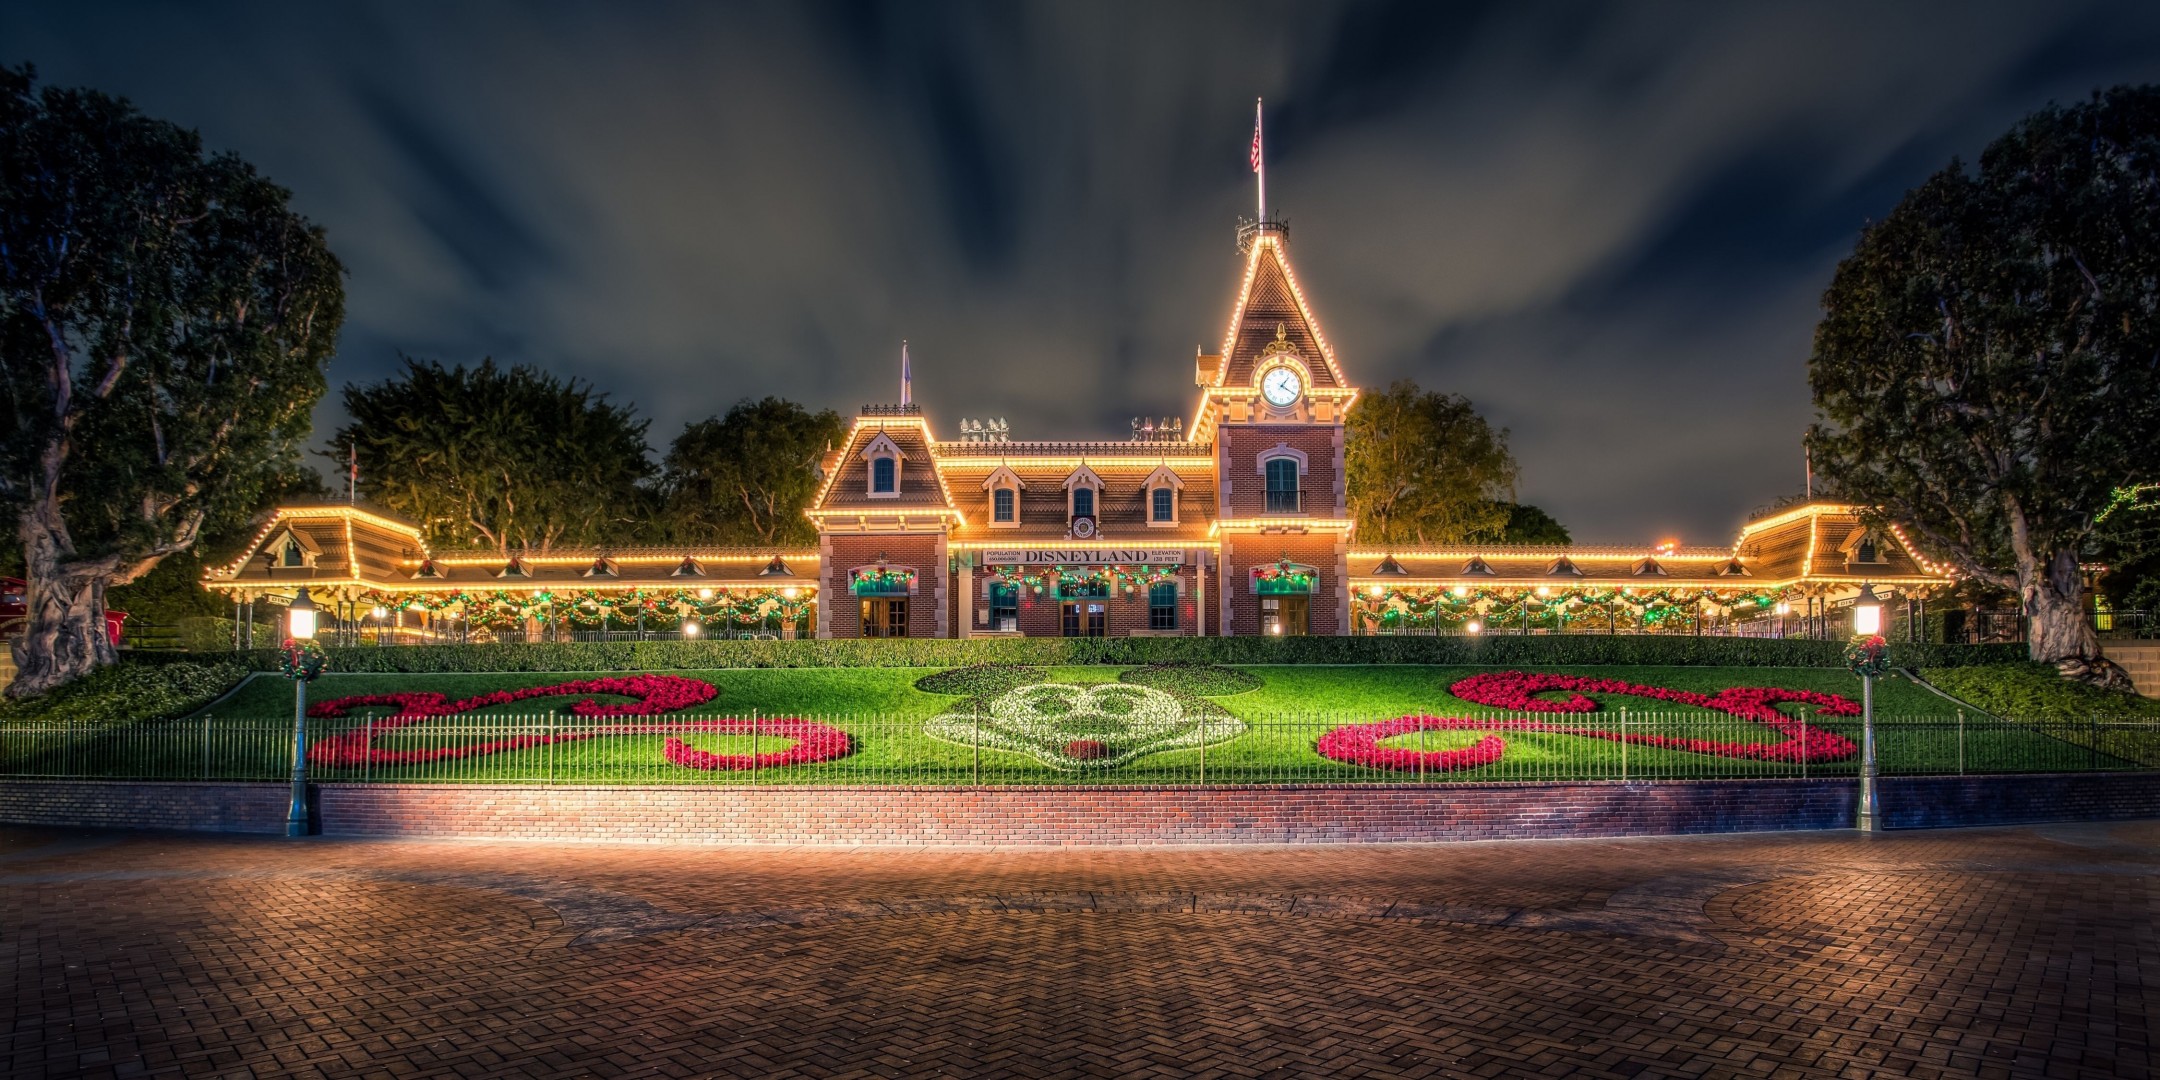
x: 131, y: 691
x: 1493, y: 649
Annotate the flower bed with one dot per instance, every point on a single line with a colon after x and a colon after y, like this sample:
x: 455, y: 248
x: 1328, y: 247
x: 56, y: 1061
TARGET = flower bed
x: 654, y: 695
x: 1069, y: 727
x: 1519, y: 691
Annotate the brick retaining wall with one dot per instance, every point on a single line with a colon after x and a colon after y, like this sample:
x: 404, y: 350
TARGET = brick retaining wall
x: 2141, y: 659
x: 119, y: 804
x: 1068, y: 816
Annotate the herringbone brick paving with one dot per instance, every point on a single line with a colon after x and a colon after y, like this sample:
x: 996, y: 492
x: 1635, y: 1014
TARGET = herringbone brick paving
x: 2006, y: 952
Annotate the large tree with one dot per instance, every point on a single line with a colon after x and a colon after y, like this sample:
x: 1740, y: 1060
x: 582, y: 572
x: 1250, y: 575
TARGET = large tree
x: 513, y: 459
x: 1424, y: 468
x: 1987, y: 369
x: 1527, y: 524
x: 746, y: 477
x: 165, y: 321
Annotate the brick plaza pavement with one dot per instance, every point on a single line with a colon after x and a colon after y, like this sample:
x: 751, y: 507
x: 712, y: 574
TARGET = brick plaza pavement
x: 1985, y: 952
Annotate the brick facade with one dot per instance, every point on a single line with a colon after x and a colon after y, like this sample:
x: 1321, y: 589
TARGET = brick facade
x: 1041, y: 616
x: 922, y: 552
x: 1324, y: 552
x: 1081, y: 815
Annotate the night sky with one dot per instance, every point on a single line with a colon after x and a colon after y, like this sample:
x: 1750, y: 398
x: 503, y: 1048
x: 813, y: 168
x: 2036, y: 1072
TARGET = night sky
x: 1608, y: 224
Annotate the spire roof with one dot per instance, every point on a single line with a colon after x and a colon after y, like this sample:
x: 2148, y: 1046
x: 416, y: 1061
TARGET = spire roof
x: 1270, y: 304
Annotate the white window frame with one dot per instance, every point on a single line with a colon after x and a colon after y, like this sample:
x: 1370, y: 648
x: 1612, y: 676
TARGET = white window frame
x: 1164, y: 477
x: 1083, y: 477
x: 1004, y: 479
x: 882, y: 447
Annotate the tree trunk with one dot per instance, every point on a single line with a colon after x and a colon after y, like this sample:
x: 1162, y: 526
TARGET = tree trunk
x: 64, y: 634
x: 2055, y: 604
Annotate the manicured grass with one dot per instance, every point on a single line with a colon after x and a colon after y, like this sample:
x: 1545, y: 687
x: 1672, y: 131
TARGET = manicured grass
x: 884, y: 712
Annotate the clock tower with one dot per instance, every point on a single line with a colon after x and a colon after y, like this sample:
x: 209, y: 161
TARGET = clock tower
x: 1272, y: 404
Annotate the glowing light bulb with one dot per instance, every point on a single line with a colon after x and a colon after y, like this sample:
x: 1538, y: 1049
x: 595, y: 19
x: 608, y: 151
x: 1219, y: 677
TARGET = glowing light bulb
x: 704, y: 594
x: 1475, y: 627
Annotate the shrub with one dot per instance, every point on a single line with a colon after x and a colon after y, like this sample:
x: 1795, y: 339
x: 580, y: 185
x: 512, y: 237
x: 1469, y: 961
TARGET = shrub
x: 1498, y: 650
x: 1206, y: 680
x: 2034, y: 692
x: 130, y: 692
x: 979, y: 680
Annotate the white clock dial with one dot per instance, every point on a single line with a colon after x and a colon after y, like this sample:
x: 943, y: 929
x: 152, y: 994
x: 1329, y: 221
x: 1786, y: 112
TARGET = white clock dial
x: 1282, y: 387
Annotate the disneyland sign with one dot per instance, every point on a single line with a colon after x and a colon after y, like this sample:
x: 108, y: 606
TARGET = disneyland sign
x: 1085, y: 556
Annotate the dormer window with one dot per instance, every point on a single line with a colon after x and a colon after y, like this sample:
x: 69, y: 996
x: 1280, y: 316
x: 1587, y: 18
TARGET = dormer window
x: 514, y: 568
x: 291, y: 551
x: 1866, y: 548
x: 1162, y: 489
x: 688, y: 568
x: 1004, y: 487
x: 884, y: 458
x: 600, y: 567
x: 1083, y: 494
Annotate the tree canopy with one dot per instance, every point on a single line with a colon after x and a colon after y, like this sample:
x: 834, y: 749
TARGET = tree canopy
x: 1528, y: 524
x: 1987, y: 369
x: 1423, y: 467
x: 747, y: 477
x: 165, y: 322
x: 513, y: 459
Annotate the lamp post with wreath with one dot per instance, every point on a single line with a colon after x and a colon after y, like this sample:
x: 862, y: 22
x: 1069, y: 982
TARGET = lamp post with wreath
x: 302, y: 661
x: 1868, y: 657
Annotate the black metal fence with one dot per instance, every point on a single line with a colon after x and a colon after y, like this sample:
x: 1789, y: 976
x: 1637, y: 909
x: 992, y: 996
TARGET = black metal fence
x: 1305, y: 748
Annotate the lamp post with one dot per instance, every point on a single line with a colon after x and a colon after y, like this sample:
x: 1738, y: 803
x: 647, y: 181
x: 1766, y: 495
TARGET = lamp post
x: 1783, y: 609
x: 300, y: 627
x: 1867, y: 623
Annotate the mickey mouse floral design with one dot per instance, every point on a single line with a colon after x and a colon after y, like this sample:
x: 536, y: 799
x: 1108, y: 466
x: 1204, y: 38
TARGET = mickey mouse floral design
x: 1070, y: 727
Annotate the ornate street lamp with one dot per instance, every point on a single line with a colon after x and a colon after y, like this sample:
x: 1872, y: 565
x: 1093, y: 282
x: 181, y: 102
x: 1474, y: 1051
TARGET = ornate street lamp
x: 303, y: 661
x: 1866, y: 658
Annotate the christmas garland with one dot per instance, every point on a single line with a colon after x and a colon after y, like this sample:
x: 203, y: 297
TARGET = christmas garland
x: 302, y: 660
x: 1868, y: 657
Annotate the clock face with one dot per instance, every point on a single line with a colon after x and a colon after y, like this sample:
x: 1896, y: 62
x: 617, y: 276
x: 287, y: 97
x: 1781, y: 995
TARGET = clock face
x: 1282, y: 387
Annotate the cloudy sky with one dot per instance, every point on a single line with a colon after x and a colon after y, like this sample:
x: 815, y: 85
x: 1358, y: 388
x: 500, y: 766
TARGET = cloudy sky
x: 1608, y: 224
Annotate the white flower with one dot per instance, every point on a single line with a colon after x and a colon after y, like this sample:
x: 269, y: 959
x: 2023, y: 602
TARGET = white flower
x: 1073, y: 727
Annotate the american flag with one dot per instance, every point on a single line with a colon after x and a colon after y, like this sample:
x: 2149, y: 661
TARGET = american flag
x: 1256, y: 139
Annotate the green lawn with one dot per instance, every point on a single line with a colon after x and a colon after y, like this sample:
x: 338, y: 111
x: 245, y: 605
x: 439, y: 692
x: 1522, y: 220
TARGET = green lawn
x: 884, y: 712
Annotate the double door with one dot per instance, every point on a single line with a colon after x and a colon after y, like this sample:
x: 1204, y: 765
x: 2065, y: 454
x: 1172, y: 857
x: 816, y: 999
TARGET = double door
x: 1086, y: 618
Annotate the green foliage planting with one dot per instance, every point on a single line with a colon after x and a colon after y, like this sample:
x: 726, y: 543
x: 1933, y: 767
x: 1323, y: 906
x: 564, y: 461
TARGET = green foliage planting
x: 2035, y: 692
x: 1481, y: 651
x: 129, y: 693
x: 1206, y: 680
x: 980, y: 680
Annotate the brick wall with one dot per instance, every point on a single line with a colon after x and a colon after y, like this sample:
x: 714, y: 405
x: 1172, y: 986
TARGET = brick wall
x: 1040, y: 616
x: 920, y: 552
x: 1928, y: 802
x: 1238, y: 459
x: 1324, y: 552
x: 1074, y: 816
x: 197, y: 807
x: 2141, y: 659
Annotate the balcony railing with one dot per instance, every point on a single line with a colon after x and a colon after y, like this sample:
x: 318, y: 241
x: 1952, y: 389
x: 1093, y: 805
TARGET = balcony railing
x: 1286, y: 502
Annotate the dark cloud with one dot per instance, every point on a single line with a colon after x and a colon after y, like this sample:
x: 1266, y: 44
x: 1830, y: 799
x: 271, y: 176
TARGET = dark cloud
x: 1608, y: 224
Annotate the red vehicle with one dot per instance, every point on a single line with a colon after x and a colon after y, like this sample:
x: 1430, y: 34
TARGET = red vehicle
x: 15, y: 613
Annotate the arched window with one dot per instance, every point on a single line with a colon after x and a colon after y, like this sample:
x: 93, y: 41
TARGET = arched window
x: 882, y: 479
x: 294, y: 555
x: 1004, y: 507
x: 1162, y: 504
x: 1083, y: 502
x: 1282, y: 486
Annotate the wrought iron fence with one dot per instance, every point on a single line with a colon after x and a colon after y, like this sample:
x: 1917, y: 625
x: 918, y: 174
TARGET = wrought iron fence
x: 1303, y: 748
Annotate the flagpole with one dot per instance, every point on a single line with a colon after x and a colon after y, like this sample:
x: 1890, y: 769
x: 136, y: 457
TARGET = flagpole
x: 1259, y: 159
x: 905, y: 375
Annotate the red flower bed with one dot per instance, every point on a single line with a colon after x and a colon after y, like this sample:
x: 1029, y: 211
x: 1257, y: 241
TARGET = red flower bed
x: 1358, y: 744
x: 654, y: 695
